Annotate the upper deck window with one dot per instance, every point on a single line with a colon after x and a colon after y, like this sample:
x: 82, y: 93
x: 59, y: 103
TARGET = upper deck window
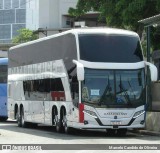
x: 110, y: 48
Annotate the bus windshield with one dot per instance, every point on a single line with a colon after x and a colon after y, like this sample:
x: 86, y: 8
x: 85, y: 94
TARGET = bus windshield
x: 114, y: 88
x: 110, y: 48
x: 3, y: 74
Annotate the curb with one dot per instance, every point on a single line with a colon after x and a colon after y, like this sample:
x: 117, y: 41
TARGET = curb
x: 145, y: 132
x: 152, y: 133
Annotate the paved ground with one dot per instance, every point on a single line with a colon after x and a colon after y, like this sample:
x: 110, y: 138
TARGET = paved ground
x: 10, y: 133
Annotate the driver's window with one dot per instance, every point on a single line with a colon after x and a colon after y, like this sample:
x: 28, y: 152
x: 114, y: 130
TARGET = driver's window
x: 75, y: 90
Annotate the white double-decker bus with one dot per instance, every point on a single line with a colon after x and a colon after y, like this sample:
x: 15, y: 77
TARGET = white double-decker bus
x: 92, y: 78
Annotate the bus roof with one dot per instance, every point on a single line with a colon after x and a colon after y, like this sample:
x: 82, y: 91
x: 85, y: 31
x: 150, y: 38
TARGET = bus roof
x: 3, y: 61
x: 90, y: 30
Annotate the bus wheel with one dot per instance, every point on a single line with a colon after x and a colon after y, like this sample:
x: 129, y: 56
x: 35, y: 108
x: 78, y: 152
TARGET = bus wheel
x: 19, y: 119
x: 64, y: 121
x: 24, y: 124
x: 58, y: 125
x: 16, y: 116
x: 121, y: 132
x: 54, y: 116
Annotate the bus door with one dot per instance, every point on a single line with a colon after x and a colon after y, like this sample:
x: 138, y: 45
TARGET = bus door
x: 75, y: 99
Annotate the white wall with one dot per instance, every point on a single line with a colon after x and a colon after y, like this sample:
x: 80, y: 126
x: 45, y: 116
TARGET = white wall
x: 54, y: 12
x: 48, y: 13
x: 66, y: 4
x: 64, y: 7
x: 44, y: 13
x: 41, y: 35
x: 32, y: 14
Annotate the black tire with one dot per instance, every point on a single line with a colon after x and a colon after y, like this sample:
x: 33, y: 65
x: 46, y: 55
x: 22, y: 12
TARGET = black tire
x: 59, y: 126
x: 16, y: 113
x: 54, y: 116
x: 16, y: 116
x: 67, y: 129
x: 55, y: 121
x: 3, y: 119
x: 21, y: 122
x: 121, y: 132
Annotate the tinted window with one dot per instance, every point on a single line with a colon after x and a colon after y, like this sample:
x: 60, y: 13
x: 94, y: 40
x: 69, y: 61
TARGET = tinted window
x: 1, y: 4
x: 20, y: 16
x: 5, y: 31
x: 57, y: 90
x: 110, y: 48
x: 16, y: 27
x: 7, y: 16
x: 75, y: 90
x: 44, y: 89
x: 7, y: 4
x: 15, y: 3
x: 23, y: 3
x: 3, y: 73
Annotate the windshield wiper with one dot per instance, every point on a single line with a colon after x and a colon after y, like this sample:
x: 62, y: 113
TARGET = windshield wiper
x: 132, y: 89
x: 126, y: 96
x: 107, y: 89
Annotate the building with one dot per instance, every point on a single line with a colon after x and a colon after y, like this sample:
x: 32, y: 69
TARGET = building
x: 148, y: 23
x: 152, y: 117
x: 12, y: 18
x: 48, y: 17
x: 48, y: 14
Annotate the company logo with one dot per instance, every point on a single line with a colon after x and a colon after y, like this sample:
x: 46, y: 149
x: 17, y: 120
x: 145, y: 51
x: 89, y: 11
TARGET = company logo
x: 6, y: 147
x: 116, y: 113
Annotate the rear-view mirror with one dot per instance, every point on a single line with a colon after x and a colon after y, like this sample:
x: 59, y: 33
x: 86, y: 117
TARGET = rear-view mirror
x: 153, y: 70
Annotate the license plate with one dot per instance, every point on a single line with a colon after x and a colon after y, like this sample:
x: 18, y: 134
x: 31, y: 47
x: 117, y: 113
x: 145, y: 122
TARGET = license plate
x: 116, y: 122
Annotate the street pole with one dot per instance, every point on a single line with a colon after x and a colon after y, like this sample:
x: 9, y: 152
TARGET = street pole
x: 148, y: 44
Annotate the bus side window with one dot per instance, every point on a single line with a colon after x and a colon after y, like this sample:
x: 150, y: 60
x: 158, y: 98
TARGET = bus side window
x: 75, y: 90
x: 57, y: 90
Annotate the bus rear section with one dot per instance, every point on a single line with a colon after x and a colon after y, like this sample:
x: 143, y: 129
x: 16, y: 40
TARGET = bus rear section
x: 3, y: 89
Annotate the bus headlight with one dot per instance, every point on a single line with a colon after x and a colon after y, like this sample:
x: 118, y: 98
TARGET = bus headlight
x: 92, y: 114
x: 139, y: 113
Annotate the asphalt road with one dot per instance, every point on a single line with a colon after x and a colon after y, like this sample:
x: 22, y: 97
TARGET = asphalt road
x: 10, y: 133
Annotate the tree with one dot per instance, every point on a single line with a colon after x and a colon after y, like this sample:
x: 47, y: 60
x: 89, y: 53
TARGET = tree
x: 119, y: 13
x: 122, y: 14
x: 25, y: 35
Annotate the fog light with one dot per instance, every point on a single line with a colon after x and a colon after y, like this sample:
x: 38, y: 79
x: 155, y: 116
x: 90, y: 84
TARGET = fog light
x: 142, y: 122
x: 85, y: 122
